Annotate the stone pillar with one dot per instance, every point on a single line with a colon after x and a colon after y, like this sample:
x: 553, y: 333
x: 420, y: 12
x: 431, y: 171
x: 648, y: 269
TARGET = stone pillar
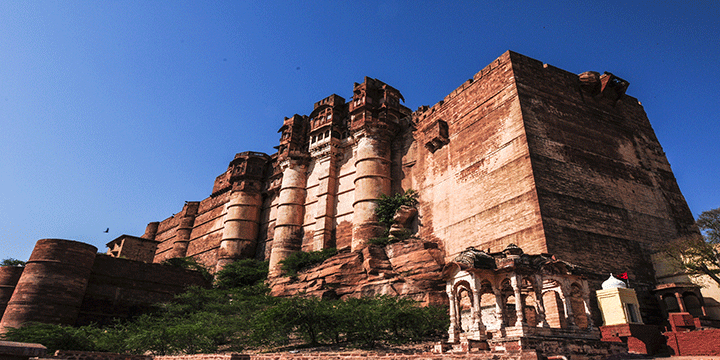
x: 454, y: 321
x: 519, y: 303
x: 680, y: 302
x: 586, y: 303
x: 326, y: 165
x: 478, y: 328
x: 372, y: 178
x: 241, y: 226
x: 567, y: 305
x: 540, y: 302
x: 288, y: 234
x: 184, y: 229
x: 499, y: 308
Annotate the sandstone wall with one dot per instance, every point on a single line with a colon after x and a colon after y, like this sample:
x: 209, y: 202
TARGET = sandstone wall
x: 478, y: 190
x: 118, y: 288
x: 602, y: 178
x: 52, y: 284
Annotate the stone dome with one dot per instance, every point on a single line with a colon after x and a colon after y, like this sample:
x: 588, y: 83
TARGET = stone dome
x: 612, y: 283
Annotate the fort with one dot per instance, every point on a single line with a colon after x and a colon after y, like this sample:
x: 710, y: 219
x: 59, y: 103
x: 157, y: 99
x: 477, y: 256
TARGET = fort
x: 522, y: 154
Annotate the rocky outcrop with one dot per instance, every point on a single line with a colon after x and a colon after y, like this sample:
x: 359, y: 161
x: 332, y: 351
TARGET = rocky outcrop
x: 410, y: 268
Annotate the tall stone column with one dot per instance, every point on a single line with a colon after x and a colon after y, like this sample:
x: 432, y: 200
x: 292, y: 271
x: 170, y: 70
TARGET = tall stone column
x: 540, y: 302
x: 519, y: 303
x: 454, y: 319
x: 567, y: 303
x: 241, y: 226
x: 499, y: 308
x: 372, y: 178
x: 290, y: 212
x: 184, y: 229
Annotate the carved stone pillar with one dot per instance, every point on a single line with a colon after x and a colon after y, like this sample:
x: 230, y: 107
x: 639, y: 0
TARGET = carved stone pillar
x: 586, y: 303
x: 540, y: 303
x: 372, y: 178
x: 184, y: 229
x: 453, y: 335
x: 499, y: 308
x: 519, y: 303
x: 567, y: 305
x: 477, y: 328
x: 290, y: 212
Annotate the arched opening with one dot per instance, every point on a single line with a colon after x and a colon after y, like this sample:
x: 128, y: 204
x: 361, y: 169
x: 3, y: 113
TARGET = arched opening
x: 508, y: 302
x: 692, y: 304
x: 464, y: 299
x: 530, y: 311
x: 488, y: 312
x: 671, y: 303
x: 554, y: 310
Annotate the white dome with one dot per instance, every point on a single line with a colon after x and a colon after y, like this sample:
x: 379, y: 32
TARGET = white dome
x: 613, y: 283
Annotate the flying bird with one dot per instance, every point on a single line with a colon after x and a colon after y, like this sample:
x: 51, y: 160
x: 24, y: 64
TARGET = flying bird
x: 107, y: 230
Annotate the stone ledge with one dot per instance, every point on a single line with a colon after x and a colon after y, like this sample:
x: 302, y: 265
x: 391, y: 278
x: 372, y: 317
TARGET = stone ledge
x: 18, y: 350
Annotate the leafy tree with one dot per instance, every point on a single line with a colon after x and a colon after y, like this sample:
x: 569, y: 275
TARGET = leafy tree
x: 699, y: 254
x: 12, y: 262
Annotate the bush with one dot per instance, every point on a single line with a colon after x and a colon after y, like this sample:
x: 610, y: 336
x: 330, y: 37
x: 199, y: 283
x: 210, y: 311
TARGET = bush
x: 241, y: 273
x: 303, y: 260
x: 387, y: 206
x: 54, y: 337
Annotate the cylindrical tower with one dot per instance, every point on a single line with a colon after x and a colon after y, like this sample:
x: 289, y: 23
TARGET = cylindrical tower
x: 372, y: 179
x: 184, y: 229
x: 375, y: 112
x: 151, y: 230
x: 290, y: 212
x: 242, y: 216
x: 9, y: 276
x: 240, y: 227
x: 52, y: 285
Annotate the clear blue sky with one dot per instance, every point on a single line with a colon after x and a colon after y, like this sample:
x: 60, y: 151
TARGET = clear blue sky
x: 113, y: 113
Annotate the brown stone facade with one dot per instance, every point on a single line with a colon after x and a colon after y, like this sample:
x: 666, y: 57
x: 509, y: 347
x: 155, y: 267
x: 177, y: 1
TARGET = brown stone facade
x: 521, y: 153
x: 67, y: 282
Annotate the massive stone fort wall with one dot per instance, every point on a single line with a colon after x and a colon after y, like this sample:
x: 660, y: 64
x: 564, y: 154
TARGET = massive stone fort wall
x: 521, y: 153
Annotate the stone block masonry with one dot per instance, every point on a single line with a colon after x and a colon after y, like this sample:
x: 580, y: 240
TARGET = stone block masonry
x: 521, y: 153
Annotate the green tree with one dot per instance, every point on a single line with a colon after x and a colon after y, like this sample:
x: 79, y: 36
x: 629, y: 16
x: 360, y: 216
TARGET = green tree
x: 12, y: 262
x: 699, y: 254
x: 241, y: 273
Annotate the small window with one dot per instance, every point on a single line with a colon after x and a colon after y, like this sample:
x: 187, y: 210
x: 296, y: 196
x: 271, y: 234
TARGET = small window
x: 632, y: 314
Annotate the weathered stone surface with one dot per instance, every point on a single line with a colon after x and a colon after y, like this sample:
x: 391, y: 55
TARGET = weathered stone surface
x: 521, y: 153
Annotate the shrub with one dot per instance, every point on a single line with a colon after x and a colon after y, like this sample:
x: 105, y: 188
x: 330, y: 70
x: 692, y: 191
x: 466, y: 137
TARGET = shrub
x: 303, y: 260
x: 54, y: 337
x: 241, y: 273
x: 387, y: 206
